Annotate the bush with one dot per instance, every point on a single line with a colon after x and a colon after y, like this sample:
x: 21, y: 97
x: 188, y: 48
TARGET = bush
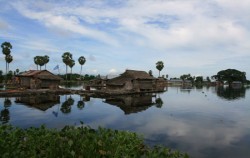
x: 76, y: 142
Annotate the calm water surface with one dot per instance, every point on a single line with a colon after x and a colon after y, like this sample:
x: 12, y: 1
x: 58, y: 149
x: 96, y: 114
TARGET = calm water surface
x: 205, y: 122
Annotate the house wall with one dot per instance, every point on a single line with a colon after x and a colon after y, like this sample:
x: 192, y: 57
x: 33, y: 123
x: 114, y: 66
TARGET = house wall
x: 25, y: 82
x: 145, y: 84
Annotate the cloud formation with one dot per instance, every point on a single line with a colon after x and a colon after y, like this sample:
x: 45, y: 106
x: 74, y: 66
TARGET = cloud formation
x: 189, y: 36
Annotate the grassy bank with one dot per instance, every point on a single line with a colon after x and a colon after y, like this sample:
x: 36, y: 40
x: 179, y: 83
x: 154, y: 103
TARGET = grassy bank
x: 76, y: 142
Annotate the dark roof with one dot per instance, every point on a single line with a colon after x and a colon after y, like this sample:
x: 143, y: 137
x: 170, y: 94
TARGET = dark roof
x: 37, y: 74
x: 129, y: 75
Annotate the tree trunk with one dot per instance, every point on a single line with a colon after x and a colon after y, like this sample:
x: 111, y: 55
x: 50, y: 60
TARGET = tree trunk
x: 66, y: 73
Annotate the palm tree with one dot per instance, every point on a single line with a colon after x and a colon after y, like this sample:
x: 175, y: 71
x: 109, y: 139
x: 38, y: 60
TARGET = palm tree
x: 159, y: 66
x: 40, y: 60
x: 71, y: 65
x: 46, y: 60
x: 81, y: 61
x: 36, y: 61
x: 66, y: 58
x: 8, y: 59
x: 6, y: 49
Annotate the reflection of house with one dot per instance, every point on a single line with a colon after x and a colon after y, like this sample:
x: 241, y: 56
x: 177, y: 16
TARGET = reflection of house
x: 42, y: 102
x: 35, y: 79
x: 236, y: 84
x: 132, y: 80
x: 131, y: 104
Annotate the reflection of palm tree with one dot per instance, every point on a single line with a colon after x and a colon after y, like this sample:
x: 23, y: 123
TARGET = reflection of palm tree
x: 66, y: 106
x: 80, y: 105
x: 7, y: 102
x: 5, y: 116
x: 158, y: 102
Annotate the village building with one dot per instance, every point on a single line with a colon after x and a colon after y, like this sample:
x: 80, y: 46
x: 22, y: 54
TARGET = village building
x: 136, y: 81
x: 38, y: 79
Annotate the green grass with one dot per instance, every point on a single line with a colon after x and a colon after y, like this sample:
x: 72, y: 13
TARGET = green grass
x: 76, y: 142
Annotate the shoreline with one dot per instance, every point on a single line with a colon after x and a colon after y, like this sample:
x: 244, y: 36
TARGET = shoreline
x: 61, y: 91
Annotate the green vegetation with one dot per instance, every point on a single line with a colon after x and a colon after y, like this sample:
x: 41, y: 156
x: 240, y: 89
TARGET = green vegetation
x: 76, y: 142
x: 41, y: 61
x: 159, y: 66
x: 6, y: 49
x: 81, y: 61
x: 230, y: 75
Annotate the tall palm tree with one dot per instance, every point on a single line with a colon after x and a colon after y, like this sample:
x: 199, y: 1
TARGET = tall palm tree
x: 41, y: 61
x: 6, y: 49
x: 159, y: 66
x: 71, y: 65
x: 36, y: 61
x: 66, y: 58
x: 46, y: 60
x: 81, y: 61
x: 8, y: 59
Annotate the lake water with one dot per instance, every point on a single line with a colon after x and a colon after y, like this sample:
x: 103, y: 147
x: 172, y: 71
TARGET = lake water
x: 204, y: 122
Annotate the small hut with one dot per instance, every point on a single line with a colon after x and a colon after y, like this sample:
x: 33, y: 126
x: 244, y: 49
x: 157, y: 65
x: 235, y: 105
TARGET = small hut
x: 132, y: 80
x: 37, y: 79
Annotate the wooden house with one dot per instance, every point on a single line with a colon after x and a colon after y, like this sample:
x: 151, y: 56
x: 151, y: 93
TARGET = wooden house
x: 37, y: 79
x: 132, y: 80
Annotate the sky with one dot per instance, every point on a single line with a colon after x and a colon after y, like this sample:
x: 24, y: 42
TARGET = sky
x: 200, y: 37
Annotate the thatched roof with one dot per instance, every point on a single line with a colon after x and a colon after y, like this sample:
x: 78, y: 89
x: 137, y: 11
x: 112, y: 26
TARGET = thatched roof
x: 130, y: 75
x: 41, y: 74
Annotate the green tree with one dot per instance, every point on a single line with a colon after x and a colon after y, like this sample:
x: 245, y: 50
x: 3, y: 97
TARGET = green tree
x: 199, y: 80
x: 36, y: 61
x: 81, y: 61
x: 159, y: 66
x: 41, y: 61
x: 66, y: 58
x: 17, y: 71
x: 6, y: 49
x: 8, y: 59
x: 45, y: 60
x: 150, y: 72
x: 71, y: 65
x: 230, y: 75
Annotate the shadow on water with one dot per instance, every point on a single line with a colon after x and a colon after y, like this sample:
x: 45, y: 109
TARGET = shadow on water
x: 230, y: 93
x: 134, y: 103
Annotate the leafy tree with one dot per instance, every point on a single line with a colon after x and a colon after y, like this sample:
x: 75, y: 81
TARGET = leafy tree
x: 81, y: 61
x: 41, y: 61
x: 36, y: 61
x: 17, y: 71
x: 66, y: 58
x: 6, y: 49
x: 1, y: 76
x: 71, y: 65
x: 150, y: 72
x: 199, y: 80
x: 8, y: 59
x: 230, y: 75
x: 45, y: 60
x: 159, y: 66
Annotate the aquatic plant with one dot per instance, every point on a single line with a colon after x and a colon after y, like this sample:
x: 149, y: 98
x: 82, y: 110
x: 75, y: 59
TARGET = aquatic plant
x: 76, y: 142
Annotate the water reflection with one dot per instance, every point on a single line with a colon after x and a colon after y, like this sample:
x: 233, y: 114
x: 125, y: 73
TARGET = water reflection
x: 41, y: 102
x: 5, y: 114
x: 134, y: 103
x: 230, y: 93
x: 66, y: 105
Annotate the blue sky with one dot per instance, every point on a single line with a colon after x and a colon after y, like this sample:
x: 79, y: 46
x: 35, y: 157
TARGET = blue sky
x: 200, y: 37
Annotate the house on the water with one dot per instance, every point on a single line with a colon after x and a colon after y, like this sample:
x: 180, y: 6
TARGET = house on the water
x: 37, y: 79
x: 137, y: 81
